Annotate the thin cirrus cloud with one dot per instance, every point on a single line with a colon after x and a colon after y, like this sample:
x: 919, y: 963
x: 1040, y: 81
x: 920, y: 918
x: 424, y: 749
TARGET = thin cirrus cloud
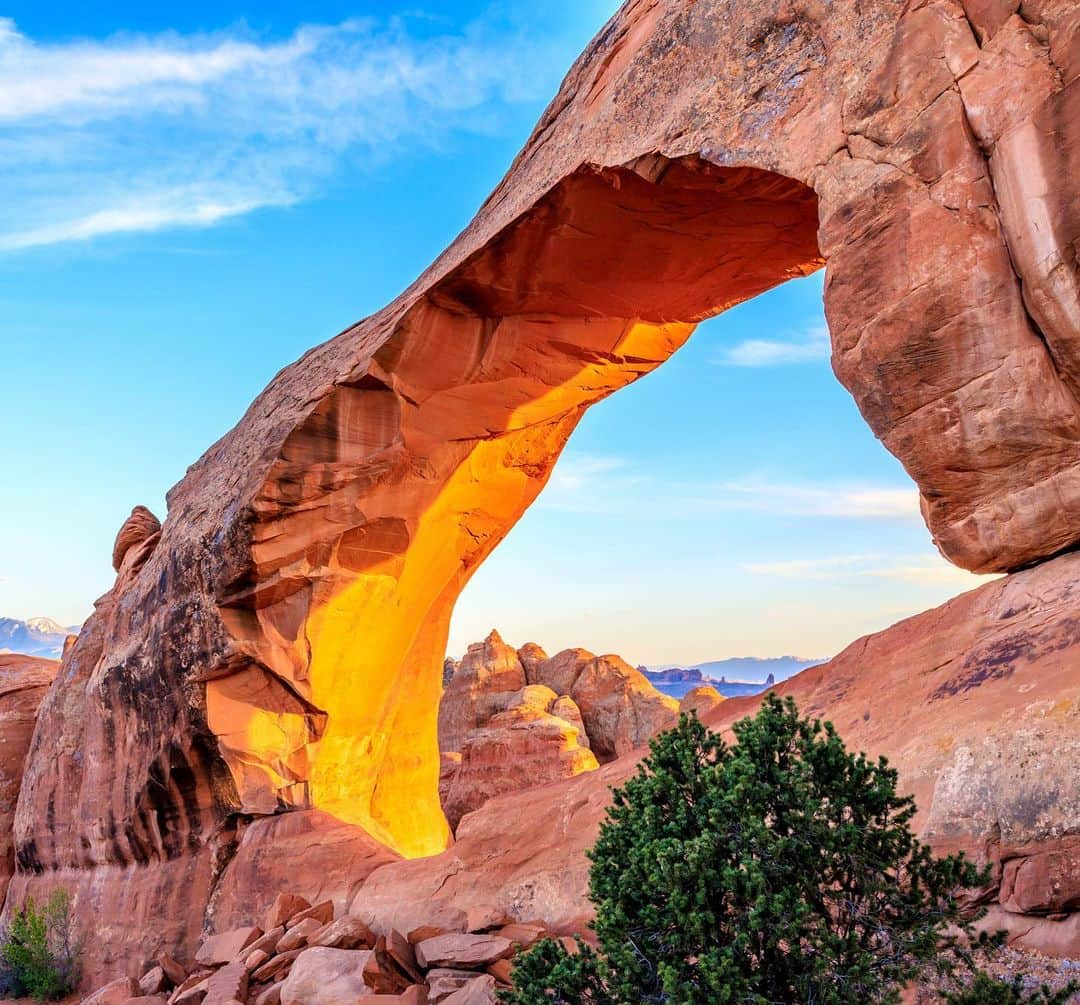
x: 923, y: 569
x: 808, y: 347
x: 146, y: 132
x: 589, y: 483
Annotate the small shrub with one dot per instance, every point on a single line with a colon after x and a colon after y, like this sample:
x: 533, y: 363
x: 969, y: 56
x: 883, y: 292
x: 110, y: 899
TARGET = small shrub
x: 987, y: 990
x: 779, y: 870
x: 39, y: 953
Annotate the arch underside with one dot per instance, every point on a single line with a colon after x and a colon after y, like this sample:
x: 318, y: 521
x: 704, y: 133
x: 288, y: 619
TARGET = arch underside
x: 408, y: 474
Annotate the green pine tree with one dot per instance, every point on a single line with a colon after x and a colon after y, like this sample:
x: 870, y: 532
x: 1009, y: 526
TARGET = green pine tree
x: 782, y: 869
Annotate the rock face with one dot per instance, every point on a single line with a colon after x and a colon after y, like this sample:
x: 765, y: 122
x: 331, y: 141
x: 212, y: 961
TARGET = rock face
x: 524, y: 746
x: 23, y: 683
x: 977, y: 703
x: 511, y: 719
x: 278, y: 644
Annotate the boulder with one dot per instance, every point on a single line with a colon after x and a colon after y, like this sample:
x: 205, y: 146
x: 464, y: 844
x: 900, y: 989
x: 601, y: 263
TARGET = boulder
x: 345, y: 933
x: 175, y: 973
x: 298, y: 934
x: 621, y: 709
x: 226, y: 946
x: 275, y: 968
x: 443, y: 982
x: 462, y: 951
x: 284, y: 907
x: 270, y: 995
x: 153, y: 981
x: 321, y: 913
x: 228, y: 984
x: 265, y: 943
x: 322, y: 976
x: 255, y: 959
x: 564, y: 707
x: 531, y: 656
x: 117, y: 992
x: 478, y: 991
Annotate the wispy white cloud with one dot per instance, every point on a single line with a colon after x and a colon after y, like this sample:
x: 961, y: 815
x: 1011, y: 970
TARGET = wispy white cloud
x: 589, y: 483
x: 144, y: 132
x: 856, y: 502
x: 807, y: 347
x: 163, y: 209
x: 924, y: 569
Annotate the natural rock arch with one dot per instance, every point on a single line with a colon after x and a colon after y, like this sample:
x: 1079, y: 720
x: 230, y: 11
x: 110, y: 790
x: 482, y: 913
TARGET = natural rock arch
x: 279, y: 646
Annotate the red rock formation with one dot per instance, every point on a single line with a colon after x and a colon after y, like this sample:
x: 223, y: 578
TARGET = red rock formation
x: 482, y: 683
x: 977, y: 703
x: 23, y: 683
x: 279, y: 646
x: 619, y: 706
x: 499, y: 734
x: 701, y: 701
x: 521, y: 747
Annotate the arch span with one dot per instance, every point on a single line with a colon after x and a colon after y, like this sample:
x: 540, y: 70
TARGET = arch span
x: 412, y: 468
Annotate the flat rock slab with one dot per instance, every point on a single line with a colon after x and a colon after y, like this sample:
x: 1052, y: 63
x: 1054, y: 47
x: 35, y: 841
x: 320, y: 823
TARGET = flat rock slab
x: 227, y: 946
x: 462, y: 951
x: 323, y: 976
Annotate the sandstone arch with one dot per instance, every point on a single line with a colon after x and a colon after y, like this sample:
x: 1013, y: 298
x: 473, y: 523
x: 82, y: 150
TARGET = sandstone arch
x: 279, y: 645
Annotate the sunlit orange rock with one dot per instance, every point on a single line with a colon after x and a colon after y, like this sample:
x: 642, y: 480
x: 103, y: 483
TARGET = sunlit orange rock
x: 622, y: 711
x: 498, y: 734
x: 488, y: 673
x: 700, y: 700
x: 279, y: 646
x: 521, y: 747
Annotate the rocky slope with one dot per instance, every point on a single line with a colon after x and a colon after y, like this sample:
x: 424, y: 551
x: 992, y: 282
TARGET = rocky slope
x: 23, y: 683
x: 275, y: 646
x: 977, y: 703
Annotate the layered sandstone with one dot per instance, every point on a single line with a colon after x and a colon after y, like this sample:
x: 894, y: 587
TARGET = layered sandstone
x: 512, y: 719
x: 277, y: 645
x: 977, y: 703
x: 23, y: 683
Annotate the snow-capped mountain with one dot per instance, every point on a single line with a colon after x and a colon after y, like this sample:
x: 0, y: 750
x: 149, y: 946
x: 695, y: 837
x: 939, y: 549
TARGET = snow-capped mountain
x: 34, y: 637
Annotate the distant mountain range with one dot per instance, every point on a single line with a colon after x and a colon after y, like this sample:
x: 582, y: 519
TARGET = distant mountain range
x: 34, y: 637
x: 733, y: 677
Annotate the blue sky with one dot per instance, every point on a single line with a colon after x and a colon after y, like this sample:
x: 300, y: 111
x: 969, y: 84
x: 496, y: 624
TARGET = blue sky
x: 191, y: 196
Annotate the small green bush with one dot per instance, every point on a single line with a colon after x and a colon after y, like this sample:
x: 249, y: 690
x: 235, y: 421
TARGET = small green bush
x: 987, y: 990
x: 779, y: 870
x: 39, y: 953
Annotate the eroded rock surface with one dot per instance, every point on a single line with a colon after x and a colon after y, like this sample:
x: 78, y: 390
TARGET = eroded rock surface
x: 278, y: 644
x: 23, y: 683
x: 512, y: 719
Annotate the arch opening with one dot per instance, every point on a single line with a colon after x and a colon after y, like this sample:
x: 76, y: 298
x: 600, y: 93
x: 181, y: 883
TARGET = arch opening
x: 406, y: 476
